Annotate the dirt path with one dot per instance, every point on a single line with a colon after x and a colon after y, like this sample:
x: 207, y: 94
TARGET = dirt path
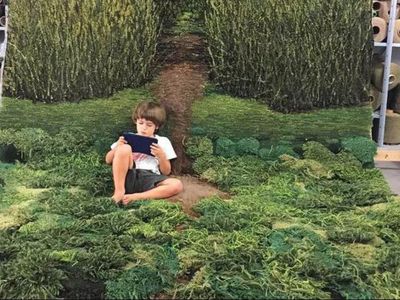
x: 194, y: 190
x: 181, y: 80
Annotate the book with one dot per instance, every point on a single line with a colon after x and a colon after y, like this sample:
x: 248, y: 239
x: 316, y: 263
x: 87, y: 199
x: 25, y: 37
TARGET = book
x: 139, y: 143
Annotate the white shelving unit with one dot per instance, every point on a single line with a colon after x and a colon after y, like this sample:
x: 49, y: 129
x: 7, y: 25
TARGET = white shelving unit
x: 389, y: 45
x: 3, y: 44
x: 387, y: 152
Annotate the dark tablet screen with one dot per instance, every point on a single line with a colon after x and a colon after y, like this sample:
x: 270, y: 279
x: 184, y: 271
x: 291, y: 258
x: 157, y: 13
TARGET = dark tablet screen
x: 139, y: 143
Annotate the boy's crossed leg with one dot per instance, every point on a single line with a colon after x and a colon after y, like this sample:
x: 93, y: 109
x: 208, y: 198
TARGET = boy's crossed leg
x: 122, y: 162
x: 164, y: 189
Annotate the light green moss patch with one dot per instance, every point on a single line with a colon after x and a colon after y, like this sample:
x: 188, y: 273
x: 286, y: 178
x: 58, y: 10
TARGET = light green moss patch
x: 220, y: 115
x: 101, y: 117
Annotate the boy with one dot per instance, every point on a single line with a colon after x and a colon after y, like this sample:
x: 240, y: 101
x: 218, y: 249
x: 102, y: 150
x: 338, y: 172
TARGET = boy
x: 140, y: 176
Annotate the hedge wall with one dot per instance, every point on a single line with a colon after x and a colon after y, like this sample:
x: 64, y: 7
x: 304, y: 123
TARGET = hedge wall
x: 68, y: 50
x: 295, y: 55
x: 168, y: 10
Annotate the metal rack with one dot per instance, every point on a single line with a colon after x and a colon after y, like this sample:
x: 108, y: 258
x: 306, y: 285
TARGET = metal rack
x: 3, y: 43
x: 389, y: 45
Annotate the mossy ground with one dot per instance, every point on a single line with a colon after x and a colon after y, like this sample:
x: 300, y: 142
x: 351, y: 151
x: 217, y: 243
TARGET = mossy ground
x: 218, y: 115
x: 313, y: 226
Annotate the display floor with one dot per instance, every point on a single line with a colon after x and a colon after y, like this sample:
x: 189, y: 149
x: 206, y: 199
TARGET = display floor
x: 388, y: 161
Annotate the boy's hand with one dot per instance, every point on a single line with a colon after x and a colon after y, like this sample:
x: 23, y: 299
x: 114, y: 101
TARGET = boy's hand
x: 128, y: 198
x: 157, y: 151
x: 121, y: 141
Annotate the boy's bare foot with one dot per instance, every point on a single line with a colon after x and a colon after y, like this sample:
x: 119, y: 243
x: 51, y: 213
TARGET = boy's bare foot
x: 128, y: 198
x: 118, y: 196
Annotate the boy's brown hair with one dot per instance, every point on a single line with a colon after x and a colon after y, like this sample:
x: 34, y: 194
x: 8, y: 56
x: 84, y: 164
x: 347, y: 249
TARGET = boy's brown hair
x: 152, y: 111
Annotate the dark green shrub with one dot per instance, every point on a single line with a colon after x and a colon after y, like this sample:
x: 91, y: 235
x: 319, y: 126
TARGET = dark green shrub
x: 32, y: 275
x: 201, y: 164
x: 197, y: 131
x: 64, y: 159
x: 389, y: 258
x: 35, y: 144
x: 102, y: 261
x: 318, y: 152
x: 159, y: 219
x: 247, y: 146
x: 168, y: 11
x: 346, y: 160
x: 29, y: 142
x: 92, y: 48
x: 85, y: 170
x: 306, y: 167
x: 199, y: 146
x: 344, y: 164
x: 225, y: 147
x: 196, y: 7
x: 351, y: 235
x: 385, y: 285
x: 364, y: 149
x: 44, y: 222
x: 273, y: 153
x: 254, y: 46
x: 77, y: 203
x: 219, y: 215
x: 318, y: 258
x: 137, y: 283
x: 359, y: 193
x: 389, y: 217
x: 70, y: 140
x: 115, y: 223
x: 232, y: 172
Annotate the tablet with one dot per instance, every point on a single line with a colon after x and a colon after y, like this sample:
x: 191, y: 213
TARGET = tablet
x: 139, y: 143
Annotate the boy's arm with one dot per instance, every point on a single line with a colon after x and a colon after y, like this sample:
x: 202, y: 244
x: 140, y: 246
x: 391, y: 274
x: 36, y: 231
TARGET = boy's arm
x: 110, y: 157
x: 165, y: 166
x: 164, y: 163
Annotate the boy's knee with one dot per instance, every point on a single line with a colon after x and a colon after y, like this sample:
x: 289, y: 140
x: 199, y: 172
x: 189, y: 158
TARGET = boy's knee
x: 177, y: 186
x: 123, y: 150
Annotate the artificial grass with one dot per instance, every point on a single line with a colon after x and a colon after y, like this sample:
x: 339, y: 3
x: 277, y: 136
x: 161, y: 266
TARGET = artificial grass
x: 215, y: 115
x: 100, y: 117
x: 233, y: 250
x: 218, y: 115
x: 56, y: 202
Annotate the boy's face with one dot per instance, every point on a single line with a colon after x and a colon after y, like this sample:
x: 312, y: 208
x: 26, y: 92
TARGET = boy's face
x: 145, y: 127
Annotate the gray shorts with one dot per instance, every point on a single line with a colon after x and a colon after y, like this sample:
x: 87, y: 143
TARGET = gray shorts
x: 138, y: 180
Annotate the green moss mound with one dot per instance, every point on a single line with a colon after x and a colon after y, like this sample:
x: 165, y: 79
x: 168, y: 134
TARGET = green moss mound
x: 218, y: 115
x: 302, y: 221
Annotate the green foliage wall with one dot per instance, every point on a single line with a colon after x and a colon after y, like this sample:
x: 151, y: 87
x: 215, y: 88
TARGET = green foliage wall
x: 69, y: 50
x: 294, y: 55
x: 168, y: 11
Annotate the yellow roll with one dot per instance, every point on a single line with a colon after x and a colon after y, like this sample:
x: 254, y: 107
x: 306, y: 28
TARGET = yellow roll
x: 396, y: 100
x: 384, y: 10
x: 377, y: 75
x: 396, y: 34
x: 379, y: 28
x: 392, y: 128
x: 374, y: 98
x: 397, y: 11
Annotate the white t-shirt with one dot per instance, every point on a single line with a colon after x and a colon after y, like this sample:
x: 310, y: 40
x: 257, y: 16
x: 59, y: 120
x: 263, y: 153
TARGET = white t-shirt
x: 148, y: 162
